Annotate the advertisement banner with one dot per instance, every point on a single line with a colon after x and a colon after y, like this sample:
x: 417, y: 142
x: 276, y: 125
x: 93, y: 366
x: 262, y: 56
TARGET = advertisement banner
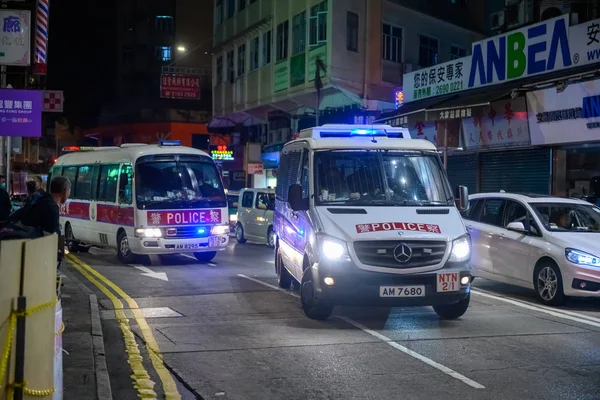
x: 20, y: 112
x: 560, y: 118
x: 548, y: 46
x: 174, y: 86
x: 15, y: 39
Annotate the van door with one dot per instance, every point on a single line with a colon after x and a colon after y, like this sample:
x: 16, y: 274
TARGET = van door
x: 245, y: 213
x: 125, y: 216
x: 262, y: 211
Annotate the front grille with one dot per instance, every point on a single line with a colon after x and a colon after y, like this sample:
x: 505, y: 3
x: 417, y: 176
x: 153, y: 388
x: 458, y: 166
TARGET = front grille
x: 381, y: 253
x: 186, y: 232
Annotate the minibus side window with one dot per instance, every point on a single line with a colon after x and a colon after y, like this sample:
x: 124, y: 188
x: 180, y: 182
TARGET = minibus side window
x: 95, y: 182
x: 84, y: 183
x: 108, y: 183
x: 71, y: 174
x: 125, y: 184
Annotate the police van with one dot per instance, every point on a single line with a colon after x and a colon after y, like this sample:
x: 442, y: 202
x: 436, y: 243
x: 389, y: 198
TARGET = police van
x: 365, y: 216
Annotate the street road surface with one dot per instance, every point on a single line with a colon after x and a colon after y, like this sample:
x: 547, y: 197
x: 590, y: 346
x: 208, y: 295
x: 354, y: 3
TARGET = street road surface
x: 224, y: 330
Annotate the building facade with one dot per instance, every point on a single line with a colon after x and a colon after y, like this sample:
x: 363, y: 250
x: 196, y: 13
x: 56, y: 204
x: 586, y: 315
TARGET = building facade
x: 279, y: 65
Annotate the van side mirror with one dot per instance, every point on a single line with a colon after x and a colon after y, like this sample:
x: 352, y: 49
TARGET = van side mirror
x: 297, y: 203
x: 462, y: 195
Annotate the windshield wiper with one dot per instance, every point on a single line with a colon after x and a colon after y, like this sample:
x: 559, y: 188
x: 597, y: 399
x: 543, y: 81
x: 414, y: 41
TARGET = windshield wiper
x: 419, y: 203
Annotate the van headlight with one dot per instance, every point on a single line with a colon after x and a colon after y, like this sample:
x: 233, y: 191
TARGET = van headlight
x: 582, y: 258
x: 333, y: 249
x: 461, y: 249
x: 219, y: 229
x: 148, y: 232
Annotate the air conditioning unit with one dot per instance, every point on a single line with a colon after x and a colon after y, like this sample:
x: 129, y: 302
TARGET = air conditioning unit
x: 551, y: 9
x: 515, y: 16
x: 497, y: 21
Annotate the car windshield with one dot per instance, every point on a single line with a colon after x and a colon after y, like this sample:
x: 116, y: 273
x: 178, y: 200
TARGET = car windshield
x: 566, y: 217
x: 175, y: 184
x: 380, y: 177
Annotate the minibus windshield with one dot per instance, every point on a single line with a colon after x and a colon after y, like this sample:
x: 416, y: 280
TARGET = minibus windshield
x: 178, y: 184
x: 380, y: 178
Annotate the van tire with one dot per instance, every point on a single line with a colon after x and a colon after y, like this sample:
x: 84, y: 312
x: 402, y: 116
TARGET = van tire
x: 123, y: 250
x: 453, y: 311
x: 284, y: 278
x: 271, y: 237
x: 311, y: 305
x: 239, y: 234
x: 205, y: 256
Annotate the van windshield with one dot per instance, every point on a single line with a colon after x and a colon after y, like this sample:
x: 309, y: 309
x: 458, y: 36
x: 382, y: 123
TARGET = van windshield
x: 178, y: 184
x: 380, y: 178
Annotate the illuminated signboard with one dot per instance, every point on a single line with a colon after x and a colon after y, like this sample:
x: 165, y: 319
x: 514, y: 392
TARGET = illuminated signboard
x: 222, y: 153
x: 399, y: 99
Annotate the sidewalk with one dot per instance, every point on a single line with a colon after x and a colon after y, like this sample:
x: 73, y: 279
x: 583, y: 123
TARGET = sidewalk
x: 85, y: 375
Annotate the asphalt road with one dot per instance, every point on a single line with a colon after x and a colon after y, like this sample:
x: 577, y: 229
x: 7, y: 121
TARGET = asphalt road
x: 225, y: 331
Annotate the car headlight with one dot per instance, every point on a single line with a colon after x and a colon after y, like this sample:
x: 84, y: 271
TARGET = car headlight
x: 233, y: 218
x: 148, y: 232
x: 333, y: 249
x: 219, y: 229
x: 461, y: 250
x: 582, y: 258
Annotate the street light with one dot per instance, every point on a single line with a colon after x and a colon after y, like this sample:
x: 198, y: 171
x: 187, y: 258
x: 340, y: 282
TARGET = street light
x: 181, y: 49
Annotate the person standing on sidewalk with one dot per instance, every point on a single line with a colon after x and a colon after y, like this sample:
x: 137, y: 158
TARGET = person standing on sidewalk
x: 45, y: 212
x: 5, y: 203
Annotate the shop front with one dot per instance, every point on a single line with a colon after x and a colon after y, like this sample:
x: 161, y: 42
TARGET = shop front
x: 230, y: 162
x: 569, y: 122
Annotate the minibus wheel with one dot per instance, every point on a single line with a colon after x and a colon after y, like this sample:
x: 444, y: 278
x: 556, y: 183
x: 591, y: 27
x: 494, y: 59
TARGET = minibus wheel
x: 123, y: 250
x: 70, y: 239
x: 453, y: 311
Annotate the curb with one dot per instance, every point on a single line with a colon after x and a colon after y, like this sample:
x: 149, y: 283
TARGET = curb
x: 103, y: 388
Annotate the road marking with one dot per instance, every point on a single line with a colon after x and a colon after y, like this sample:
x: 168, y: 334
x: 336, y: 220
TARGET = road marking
x: 210, y: 264
x: 271, y: 262
x: 151, y: 274
x: 168, y: 383
x: 141, y: 379
x: 387, y: 340
x: 571, y: 316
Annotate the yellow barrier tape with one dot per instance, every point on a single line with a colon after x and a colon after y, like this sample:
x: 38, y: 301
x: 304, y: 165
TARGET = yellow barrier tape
x: 5, y: 355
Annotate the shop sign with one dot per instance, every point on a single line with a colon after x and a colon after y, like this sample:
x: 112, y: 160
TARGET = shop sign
x: 222, y: 153
x: 558, y: 115
x: 15, y: 39
x: 255, y: 169
x: 398, y: 121
x: 455, y: 113
x: 399, y: 98
x: 239, y: 176
x: 174, y: 86
x: 545, y: 47
x: 591, y: 107
x: 20, y: 112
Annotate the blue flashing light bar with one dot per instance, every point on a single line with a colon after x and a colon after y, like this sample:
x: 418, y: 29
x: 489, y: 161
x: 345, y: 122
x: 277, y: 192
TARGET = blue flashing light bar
x: 169, y: 143
x: 368, y: 132
x: 201, y: 231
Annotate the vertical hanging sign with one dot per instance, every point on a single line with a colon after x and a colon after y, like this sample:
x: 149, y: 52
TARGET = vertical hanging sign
x: 41, y: 37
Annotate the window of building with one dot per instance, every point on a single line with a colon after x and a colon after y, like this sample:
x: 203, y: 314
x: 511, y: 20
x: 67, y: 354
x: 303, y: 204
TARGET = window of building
x: 266, y: 49
x: 230, y: 73
x: 428, y: 51
x: 241, y: 5
x: 299, y: 33
x: 163, y: 53
x: 318, y: 24
x: 241, y: 60
x: 230, y: 8
x: 164, y: 23
x: 254, y: 53
x: 282, y: 40
x: 391, y: 43
x: 457, y: 52
x: 351, y: 31
x: 127, y: 55
x: 219, y: 12
x: 219, y: 68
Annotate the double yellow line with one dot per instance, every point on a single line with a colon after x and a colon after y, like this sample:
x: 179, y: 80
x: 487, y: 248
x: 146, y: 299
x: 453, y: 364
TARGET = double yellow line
x: 142, y: 381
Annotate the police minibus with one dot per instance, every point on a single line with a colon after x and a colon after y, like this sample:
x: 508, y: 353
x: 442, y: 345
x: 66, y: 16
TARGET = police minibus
x: 364, y: 215
x: 144, y: 199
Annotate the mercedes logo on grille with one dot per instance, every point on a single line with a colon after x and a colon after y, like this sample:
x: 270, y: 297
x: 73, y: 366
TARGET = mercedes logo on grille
x: 402, y: 253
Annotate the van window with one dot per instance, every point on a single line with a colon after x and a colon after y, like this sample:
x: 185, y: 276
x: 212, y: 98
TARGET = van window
x: 108, y: 183
x: 84, y: 183
x: 304, y: 174
x: 95, y: 176
x: 71, y: 174
x: 247, y: 199
x: 287, y: 174
x: 265, y: 201
x: 125, y: 184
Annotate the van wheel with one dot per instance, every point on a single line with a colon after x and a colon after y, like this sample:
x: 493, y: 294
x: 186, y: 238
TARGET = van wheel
x: 70, y: 241
x: 271, y: 237
x: 123, y: 250
x: 311, y: 305
x: 453, y: 311
x: 205, y: 256
x: 284, y: 279
x: 239, y: 234
x: 548, y: 284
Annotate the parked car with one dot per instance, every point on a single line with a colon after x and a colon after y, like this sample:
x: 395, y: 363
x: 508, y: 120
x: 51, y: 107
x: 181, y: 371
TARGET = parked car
x: 232, y: 204
x: 548, y: 244
x: 255, y: 216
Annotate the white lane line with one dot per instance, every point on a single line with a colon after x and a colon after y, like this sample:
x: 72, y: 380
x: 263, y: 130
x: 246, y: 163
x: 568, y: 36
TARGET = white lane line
x: 387, y: 340
x: 564, y: 315
x: 414, y: 354
x: 271, y: 262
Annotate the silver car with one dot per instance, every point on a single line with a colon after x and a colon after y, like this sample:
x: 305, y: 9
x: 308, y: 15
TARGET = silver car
x: 255, y: 216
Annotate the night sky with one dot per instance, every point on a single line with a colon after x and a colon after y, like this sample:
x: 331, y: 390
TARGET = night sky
x: 82, y: 56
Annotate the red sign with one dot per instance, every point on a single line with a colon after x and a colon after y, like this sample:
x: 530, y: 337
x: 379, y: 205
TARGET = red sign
x: 174, y: 86
x: 53, y: 101
x: 398, y: 226
x: 255, y: 169
x: 186, y: 217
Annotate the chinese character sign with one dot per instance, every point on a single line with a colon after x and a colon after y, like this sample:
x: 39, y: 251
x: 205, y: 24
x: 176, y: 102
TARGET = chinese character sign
x: 437, y: 80
x: 15, y: 37
x: 222, y: 153
x: 173, y: 86
x: 20, y: 113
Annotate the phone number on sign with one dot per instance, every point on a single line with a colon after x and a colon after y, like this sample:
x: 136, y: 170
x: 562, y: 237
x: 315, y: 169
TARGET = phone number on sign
x: 448, y: 88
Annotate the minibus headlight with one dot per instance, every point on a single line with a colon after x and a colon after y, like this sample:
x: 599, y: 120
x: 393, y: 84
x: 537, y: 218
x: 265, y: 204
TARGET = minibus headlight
x: 219, y: 229
x: 233, y: 218
x: 148, y: 232
x: 461, y: 249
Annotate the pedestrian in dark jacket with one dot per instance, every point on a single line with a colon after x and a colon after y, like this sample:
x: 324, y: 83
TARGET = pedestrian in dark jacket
x: 5, y: 203
x: 45, y: 212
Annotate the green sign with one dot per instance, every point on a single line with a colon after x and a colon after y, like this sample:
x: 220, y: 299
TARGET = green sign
x: 298, y: 69
x: 319, y: 52
x: 281, y: 79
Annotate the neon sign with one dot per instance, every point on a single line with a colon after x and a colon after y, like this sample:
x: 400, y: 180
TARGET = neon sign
x: 222, y: 153
x: 399, y: 98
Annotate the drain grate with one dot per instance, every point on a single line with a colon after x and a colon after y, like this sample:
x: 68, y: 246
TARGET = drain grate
x: 157, y: 312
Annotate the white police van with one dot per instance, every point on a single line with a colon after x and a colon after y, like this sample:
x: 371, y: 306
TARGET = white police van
x: 364, y: 215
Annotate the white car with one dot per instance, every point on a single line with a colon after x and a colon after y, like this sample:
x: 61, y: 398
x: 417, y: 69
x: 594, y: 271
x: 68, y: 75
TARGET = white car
x: 548, y: 244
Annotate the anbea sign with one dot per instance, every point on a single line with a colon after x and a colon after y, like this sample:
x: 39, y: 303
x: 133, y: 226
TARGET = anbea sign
x: 538, y: 49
